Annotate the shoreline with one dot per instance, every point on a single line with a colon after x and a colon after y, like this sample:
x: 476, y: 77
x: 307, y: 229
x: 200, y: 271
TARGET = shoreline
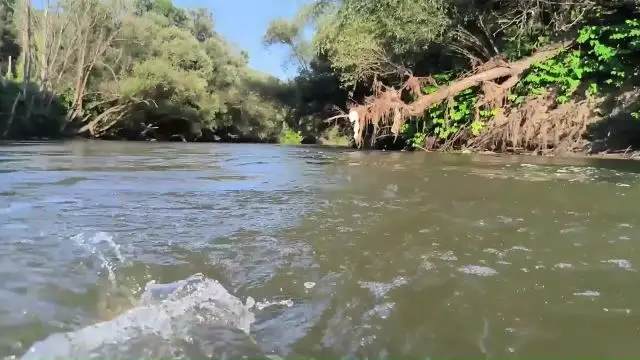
x: 606, y: 155
x: 617, y: 155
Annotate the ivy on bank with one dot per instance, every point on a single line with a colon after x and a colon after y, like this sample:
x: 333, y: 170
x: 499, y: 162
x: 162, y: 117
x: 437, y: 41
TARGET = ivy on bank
x: 603, y: 59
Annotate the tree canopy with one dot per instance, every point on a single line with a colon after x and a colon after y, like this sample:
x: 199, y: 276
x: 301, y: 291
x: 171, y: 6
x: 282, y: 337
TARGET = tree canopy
x: 110, y: 68
x: 444, y: 72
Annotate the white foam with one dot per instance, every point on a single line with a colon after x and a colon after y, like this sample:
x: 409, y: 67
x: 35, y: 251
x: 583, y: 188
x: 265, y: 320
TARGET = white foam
x: 520, y: 248
x: 447, y: 256
x: 379, y: 289
x: 478, y: 270
x: 261, y: 305
x: 563, y: 266
x: 621, y: 263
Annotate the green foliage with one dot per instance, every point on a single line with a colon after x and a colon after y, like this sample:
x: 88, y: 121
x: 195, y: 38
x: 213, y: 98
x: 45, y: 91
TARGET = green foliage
x: 564, y: 74
x: 45, y: 119
x: 605, y: 57
x: 177, y: 16
x: 361, y: 37
x: 388, y: 40
x: 166, y: 67
x: 290, y: 33
x: 446, y: 119
x: 415, y: 133
x: 289, y: 136
x: 281, y: 31
x: 334, y: 137
x: 8, y: 37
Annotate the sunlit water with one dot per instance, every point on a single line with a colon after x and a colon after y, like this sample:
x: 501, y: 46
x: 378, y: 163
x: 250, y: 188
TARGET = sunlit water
x: 131, y: 250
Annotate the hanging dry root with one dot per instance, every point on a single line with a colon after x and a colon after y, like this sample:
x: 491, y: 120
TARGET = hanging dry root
x: 539, y: 125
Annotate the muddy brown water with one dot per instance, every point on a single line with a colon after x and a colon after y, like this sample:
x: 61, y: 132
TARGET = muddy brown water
x: 346, y: 253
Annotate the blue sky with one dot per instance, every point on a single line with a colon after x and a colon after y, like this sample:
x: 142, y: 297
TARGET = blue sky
x: 243, y: 22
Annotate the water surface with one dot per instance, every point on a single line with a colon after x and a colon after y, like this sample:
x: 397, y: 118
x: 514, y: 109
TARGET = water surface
x: 345, y: 253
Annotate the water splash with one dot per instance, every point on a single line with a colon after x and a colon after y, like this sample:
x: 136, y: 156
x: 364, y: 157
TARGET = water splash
x: 192, y: 318
x: 93, y: 246
x: 116, y: 293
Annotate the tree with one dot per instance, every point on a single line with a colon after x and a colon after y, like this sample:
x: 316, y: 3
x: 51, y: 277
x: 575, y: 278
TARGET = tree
x: 202, y: 24
x: 9, y: 48
x: 148, y: 69
x: 363, y: 38
x: 289, y: 33
x: 446, y: 64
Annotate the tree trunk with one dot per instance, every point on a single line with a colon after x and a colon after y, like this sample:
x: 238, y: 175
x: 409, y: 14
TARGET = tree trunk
x: 44, y: 52
x: 27, y: 56
x: 26, y: 46
x: 10, y: 69
x: 76, y: 106
x: 12, y: 115
x: 511, y: 70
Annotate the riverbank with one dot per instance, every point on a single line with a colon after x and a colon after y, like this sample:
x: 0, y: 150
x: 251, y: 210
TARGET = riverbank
x: 618, y: 155
x: 612, y: 155
x: 598, y: 127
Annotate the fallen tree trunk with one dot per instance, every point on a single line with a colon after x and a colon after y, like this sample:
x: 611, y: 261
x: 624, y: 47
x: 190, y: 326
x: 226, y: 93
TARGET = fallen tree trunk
x: 512, y: 70
x: 387, y: 108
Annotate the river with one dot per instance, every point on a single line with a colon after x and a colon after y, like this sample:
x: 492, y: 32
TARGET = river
x: 340, y: 252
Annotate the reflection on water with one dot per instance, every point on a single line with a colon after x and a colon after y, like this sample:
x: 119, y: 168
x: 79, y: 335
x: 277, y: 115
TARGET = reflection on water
x: 345, y: 253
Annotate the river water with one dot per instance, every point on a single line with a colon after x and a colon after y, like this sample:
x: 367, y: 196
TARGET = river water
x: 340, y: 252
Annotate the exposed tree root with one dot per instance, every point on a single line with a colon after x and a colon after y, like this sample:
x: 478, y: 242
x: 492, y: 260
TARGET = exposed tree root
x: 386, y: 109
x: 117, y: 110
x: 540, y: 126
